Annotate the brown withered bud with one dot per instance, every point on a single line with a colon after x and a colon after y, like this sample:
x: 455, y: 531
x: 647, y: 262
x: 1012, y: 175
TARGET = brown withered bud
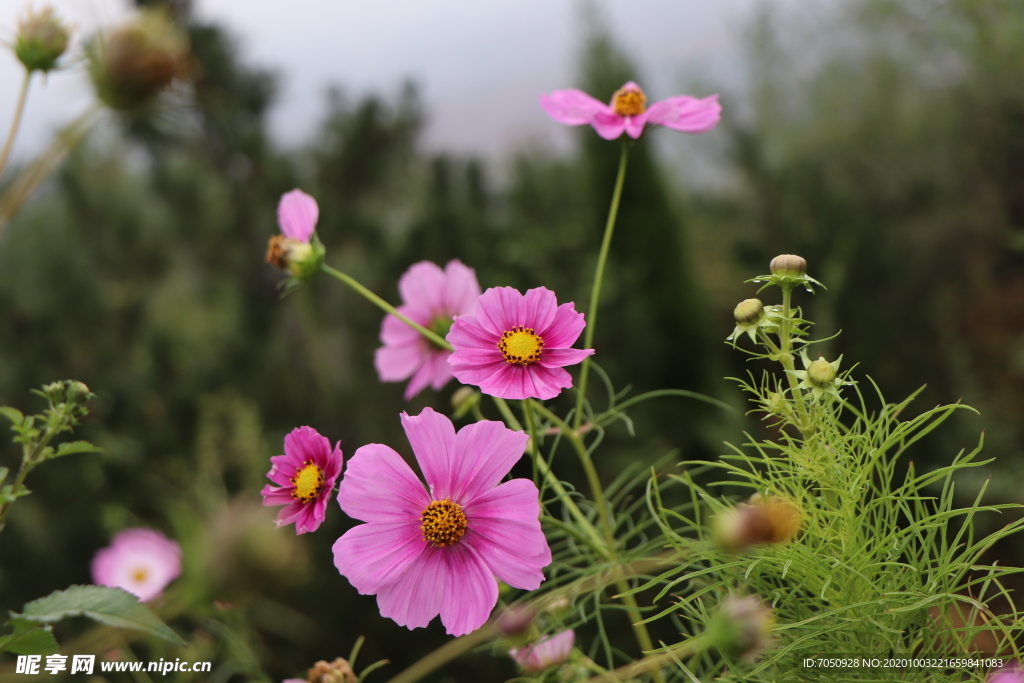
x: 788, y: 265
x: 42, y: 39
x: 337, y: 671
x: 771, y: 519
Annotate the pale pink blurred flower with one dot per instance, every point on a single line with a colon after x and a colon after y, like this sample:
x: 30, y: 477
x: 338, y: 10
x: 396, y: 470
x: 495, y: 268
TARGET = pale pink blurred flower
x: 293, y: 250
x: 141, y: 561
x: 544, y: 653
x: 440, y: 549
x: 628, y: 111
x: 297, y: 214
x: 1013, y: 674
x: 430, y: 297
x: 306, y: 474
x: 516, y: 345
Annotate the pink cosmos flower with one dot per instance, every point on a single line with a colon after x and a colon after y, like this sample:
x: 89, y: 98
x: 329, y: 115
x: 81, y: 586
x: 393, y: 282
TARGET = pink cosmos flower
x: 1014, y: 674
x: 431, y: 297
x: 141, y: 561
x: 547, y: 652
x: 297, y: 214
x: 438, y: 549
x: 306, y: 474
x: 629, y: 112
x: 515, y: 346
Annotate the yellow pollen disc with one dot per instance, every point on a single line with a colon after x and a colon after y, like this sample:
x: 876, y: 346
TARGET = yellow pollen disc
x: 520, y: 345
x: 308, y: 482
x: 140, y: 575
x: 629, y: 101
x: 444, y: 523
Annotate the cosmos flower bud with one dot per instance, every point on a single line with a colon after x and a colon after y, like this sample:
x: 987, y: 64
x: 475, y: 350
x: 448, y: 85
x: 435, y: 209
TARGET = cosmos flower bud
x: 771, y: 519
x: 42, y: 39
x: 788, y: 265
x: 338, y: 671
x: 742, y: 626
x: 544, y: 653
x: 748, y: 311
x: 301, y: 259
x: 464, y: 399
x: 516, y: 620
x: 135, y: 62
x: 821, y: 373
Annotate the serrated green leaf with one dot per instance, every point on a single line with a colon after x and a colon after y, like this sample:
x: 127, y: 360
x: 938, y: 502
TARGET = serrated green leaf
x: 72, y: 447
x: 111, y: 606
x: 29, y: 639
x: 12, y: 414
x: 9, y: 495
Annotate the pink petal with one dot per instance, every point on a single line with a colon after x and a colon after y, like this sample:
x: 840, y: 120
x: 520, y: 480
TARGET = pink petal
x: 432, y: 436
x: 374, y: 555
x: 422, y: 288
x: 394, y: 331
x: 440, y: 370
x: 505, y: 382
x: 274, y: 495
x: 546, y: 652
x: 504, y: 528
x: 538, y: 308
x: 297, y: 214
x: 498, y: 309
x: 396, y: 363
x: 415, y: 596
x: 686, y: 114
x: 484, y: 453
x: 482, y: 375
x: 609, y: 125
x: 559, y: 358
x: 468, y: 331
x: 470, y: 591
x: 565, y: 329
x: 635, y: 125
x: 548, y: 382
x: 434, y: 371
x: 379, y: 486
x: 461, y: 289
x: 305, y: 444
x: 309, y: 517
x: 572, y: 107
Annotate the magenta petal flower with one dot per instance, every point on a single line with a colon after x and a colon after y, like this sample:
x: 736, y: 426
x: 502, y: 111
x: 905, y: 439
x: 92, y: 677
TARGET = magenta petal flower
x: 306, y: 474
x: 628, y: 111
x: 1013, y: 674
x: 431, y: 297
x: 440, y: 549
x: 141, y: 561
x: 516, y: 345
x: 544, y: 653
x: 297, y: 214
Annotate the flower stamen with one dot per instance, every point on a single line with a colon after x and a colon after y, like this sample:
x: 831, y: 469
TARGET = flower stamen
x: 308, y: 482
x: 444, y: 523
x: 520, y: 346
x: 629, y: 100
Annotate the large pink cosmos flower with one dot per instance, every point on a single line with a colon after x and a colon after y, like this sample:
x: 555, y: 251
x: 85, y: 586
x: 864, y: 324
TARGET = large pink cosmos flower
x: 629, y: 112
x: 306, y: 474
x: 431, y: 297
x: 544, y: 653
x: 515, y: 346
x: 438, y: 549
x: 141, y: 561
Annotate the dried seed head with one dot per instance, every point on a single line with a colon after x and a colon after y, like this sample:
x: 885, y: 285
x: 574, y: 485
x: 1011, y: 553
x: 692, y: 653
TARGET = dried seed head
x: 42, y: 39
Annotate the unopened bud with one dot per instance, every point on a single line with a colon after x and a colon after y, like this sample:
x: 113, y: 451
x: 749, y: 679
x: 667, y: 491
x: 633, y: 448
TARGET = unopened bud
x: 301, y: 259
x: 760, y: 520
x: 337, y: 671
x: 788, y: 265
x: 742, y: 626
x: 545, y: 653
x: 748, y: 311
x: 820, y: 373
x: 515, y: 621
x: 464, y: 399
x: 42, y: 39
x: 135, y: 62
x: 78, y: 392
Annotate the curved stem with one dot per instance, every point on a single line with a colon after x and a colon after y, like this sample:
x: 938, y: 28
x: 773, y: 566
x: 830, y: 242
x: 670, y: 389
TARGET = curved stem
x: 595, y: 292
x: 19, y: 109
x: 433, y: 337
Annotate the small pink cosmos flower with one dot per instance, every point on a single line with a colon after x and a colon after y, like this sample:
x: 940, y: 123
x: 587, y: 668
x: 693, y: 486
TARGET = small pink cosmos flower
x: 1014, y: 674
x: 544, y: 653
x: 141, y: 561
x: 431, y: 297
x: 297, y: 214
x: 439, y: 549
x: 629, y: 112
x: 306, y: 474
x: 516, y: 345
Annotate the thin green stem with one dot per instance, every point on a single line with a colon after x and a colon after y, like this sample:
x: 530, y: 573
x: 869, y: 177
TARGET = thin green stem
x: 786, y: 358
x: 433, y: 337
x: 595, y: 292
x: 29, y: 460
x: 444, y: 654
x: 19, y: 110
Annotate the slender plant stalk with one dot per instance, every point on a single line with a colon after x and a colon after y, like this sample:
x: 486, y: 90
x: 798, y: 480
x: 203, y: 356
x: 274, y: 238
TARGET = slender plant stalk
x: 19, y: 110
x: 653, y: 662
x: 28, y: 463
x: 786, y: 358
x: 595, y: 292
x: 385, y: 306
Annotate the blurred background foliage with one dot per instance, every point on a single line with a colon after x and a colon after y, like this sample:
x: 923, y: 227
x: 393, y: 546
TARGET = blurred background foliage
x: 883, y: 141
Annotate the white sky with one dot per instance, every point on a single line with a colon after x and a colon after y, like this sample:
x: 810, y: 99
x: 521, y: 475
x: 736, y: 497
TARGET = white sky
x: 480, y: 65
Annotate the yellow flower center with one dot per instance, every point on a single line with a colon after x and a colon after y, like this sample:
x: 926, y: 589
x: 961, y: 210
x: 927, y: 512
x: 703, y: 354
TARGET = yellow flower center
x: 520, y: 345
x: 308, y: 482
x: 444, y: 523
x: 140, y: 574
x: 629, y: 101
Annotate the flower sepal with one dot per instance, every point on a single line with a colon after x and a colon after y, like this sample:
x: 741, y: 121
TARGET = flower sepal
x: 301, y: 260
x: 821, y: 377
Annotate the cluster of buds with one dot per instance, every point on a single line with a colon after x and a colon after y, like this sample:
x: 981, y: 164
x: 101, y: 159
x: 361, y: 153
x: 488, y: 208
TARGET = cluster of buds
x: 338, y: 671
x: 771, y: 519
x: 133, y: 63
x: 42, y: 39
x: 742, y: 627
x: 67, y: 400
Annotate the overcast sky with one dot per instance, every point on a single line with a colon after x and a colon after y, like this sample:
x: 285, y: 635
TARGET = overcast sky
x: 480, y: 65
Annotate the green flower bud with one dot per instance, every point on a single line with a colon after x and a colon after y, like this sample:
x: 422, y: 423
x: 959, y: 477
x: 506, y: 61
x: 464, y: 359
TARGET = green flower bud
x: 42, y: 39
x: 78, y: 392
x: 464, y: 399
x: 748, y: 311
x: 742, y: 626
x: 788, y: 265
x: 135, y: 62
x: 820, y: 373
x: 301, y: 259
